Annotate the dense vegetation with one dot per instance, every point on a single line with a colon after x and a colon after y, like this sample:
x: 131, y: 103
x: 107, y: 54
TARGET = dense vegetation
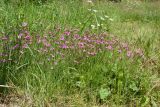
x: 79, y: 53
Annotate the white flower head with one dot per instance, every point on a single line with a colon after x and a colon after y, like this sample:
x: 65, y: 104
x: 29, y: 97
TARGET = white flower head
x: 110, y: 19
x: 24, y: 24
x: 98, y: 24
x: 93, y: 26
x: 89, y: 1
x: 89, y: 9
x: 95, y: 11
x: 102, y: 18
x: 106, y: 16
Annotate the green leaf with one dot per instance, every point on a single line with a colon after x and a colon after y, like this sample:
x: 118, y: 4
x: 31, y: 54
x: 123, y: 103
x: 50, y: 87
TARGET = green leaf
x: 153, y: 103
x: 133, y: 87
x: 145, y: 101
x: 104, y: 93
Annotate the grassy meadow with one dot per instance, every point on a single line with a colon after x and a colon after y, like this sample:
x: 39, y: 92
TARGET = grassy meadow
x: 77, y: 53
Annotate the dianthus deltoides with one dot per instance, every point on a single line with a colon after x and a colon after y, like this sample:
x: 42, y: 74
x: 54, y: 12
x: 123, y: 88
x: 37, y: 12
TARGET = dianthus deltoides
x: 70, y: 42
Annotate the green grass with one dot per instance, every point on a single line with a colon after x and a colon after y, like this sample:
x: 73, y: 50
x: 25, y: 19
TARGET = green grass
x: 100, y: 80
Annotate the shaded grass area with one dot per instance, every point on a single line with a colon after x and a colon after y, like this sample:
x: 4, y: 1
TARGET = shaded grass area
x: 101, y: 80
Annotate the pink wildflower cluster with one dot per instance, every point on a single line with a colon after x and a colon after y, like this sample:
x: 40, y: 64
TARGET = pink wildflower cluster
x: 60, y: 45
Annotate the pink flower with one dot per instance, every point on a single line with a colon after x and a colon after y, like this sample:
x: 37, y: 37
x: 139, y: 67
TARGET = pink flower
x: 109, y: 47
x: 86, y: 39
x: 81, y: 45
x: 67, y: 33
x: 64, y: 46
x: 27, y: 37
x: 76, y: 36
x: 119, y: 51
x: 62, y: 38
x: 99, y: 41
x: 47, y: 44
x: 20, y: 35
x: 129, y: 54
x: 26, y: 32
